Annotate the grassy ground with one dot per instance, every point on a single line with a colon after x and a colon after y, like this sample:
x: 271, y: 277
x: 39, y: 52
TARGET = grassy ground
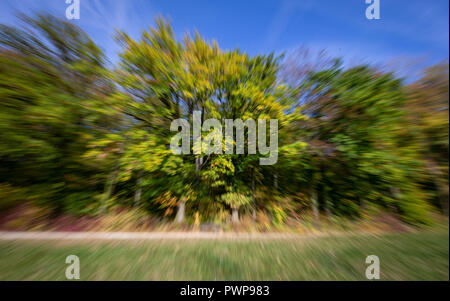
x: 413, y: 256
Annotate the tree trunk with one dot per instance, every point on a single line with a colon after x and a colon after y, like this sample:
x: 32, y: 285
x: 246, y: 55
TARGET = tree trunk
x: 235, y: 215
x: 109, y: 188
x: 362, y: 204
x: 328, y: 203
x: 137, y: 195
x: 253, y: 196
x: 439, y: 183
x: 328, y: 212
x: 180, y: 213
x: 396, y: 193
x: 315, y: 206
x: 198, y: 163
x: 275, y: 180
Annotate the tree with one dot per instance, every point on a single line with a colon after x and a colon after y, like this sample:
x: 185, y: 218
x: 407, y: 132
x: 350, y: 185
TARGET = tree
x: 83, y: 139
x: 427, y: 115
x: 56, y: 98
x: 355, y: 125
x: 235, y: 200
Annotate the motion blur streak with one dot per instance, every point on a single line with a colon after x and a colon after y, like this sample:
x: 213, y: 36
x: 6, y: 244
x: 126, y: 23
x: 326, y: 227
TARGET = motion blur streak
x: 85, y: 147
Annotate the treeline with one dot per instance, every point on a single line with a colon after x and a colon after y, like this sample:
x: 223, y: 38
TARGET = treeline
x: 81, y: 137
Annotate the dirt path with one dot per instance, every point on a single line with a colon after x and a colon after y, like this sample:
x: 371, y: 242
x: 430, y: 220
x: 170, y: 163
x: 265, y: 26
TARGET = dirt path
x: 142, y: 235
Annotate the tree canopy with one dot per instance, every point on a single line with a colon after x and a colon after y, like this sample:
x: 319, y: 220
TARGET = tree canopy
x: 81, y: 137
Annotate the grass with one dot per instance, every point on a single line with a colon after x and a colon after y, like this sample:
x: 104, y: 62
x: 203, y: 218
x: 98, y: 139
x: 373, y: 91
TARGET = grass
x: 412, y: 256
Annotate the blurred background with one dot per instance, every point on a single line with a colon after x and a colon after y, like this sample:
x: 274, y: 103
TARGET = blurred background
x: 362, y: 106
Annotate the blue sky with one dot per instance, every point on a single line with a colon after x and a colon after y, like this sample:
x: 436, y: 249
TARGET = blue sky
x: 408, y: 29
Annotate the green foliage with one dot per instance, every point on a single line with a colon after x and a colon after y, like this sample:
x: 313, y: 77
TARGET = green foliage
x: 279, y: 215
x: 235, y: 199
x: 82, y: 138
x: 10, y: 196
